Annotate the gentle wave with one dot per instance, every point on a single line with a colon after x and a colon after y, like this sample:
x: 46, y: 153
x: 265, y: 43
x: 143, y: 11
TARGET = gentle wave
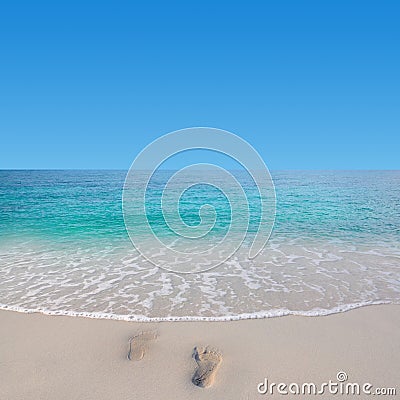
x: 142, y: 318
x: 295, y: 277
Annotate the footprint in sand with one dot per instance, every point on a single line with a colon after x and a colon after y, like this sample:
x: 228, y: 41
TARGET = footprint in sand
x: 138, y: 345
x: 208, y: 361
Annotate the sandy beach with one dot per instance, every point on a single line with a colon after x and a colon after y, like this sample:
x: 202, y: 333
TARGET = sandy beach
x: 57, y: 357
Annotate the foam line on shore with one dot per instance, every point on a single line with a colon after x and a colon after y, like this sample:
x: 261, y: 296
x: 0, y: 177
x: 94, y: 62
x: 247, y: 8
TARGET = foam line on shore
x: 142, y: 318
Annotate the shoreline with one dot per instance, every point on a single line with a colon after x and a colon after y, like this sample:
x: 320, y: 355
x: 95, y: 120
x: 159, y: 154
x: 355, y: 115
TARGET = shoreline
x: 240, y: 317
x: 43, y: 357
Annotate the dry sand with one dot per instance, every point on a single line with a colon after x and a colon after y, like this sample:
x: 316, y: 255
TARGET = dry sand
x: 49, y: 357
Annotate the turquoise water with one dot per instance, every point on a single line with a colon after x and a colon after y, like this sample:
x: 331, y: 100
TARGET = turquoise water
x: 68, y: 205
x: 64, y: 247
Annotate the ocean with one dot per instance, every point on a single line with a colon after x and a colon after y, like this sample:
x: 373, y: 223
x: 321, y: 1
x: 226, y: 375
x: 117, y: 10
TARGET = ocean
x: 65, y: 249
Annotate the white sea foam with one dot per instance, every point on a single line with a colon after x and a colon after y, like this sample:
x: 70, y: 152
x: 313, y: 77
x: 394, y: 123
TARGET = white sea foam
x: 291, y: 277
x: 237, y: 317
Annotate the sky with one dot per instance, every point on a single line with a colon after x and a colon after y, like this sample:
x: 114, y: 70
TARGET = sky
x: 310, y: 84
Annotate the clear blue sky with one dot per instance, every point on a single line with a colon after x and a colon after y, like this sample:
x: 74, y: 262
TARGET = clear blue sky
x: 310, y: 84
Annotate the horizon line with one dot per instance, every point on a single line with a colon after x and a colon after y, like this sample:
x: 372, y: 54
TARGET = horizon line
x: 177, y: 169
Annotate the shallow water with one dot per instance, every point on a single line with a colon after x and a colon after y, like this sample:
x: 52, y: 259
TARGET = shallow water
x: 64, y: 248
